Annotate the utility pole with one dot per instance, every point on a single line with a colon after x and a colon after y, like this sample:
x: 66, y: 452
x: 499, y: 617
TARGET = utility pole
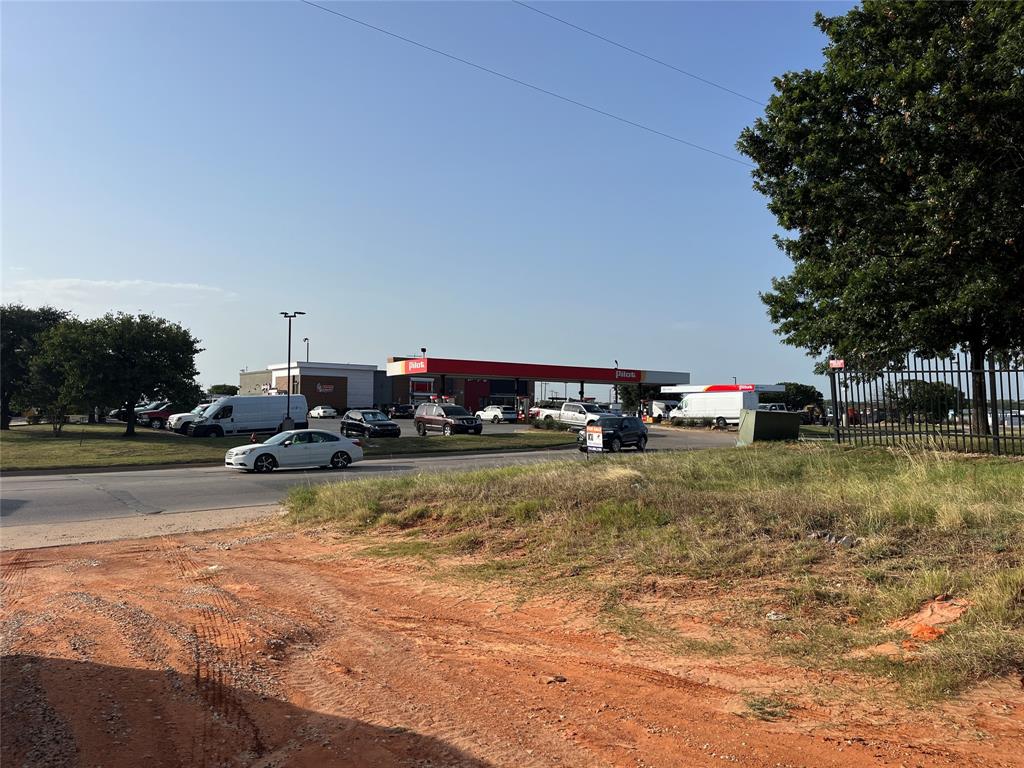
x: 307, y: 348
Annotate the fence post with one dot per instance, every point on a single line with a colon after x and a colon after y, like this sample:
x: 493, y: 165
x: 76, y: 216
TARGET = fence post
x: 995, y: 404
x: 835, y: 405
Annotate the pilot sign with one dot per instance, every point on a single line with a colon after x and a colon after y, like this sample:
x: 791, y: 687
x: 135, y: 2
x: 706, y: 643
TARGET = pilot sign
x: 595, y: 438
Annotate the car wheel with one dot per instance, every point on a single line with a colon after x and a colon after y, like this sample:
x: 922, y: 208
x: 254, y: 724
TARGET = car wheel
x: 447, y: 430
x: 264, y: 463
x: 495, y: 420
x: 641, y: 443
x: 548, y: 420
x: 215, y: 432
x: 156, y: 424
x: 421, y: 430
x: 616, y: 445
x: 340, y: 460
x: 720, y: 422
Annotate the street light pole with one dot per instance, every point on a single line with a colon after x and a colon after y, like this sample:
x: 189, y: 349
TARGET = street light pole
x: 288, y: 422
x: 307, y: 348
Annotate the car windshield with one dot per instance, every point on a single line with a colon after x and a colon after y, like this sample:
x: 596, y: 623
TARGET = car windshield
x: 374, y: 416
x: 279, y: 438
x: 591, y: 408
x: 508, y: 409
x: 610, y: 421
x: 199, y: 409
x: 454, y: 410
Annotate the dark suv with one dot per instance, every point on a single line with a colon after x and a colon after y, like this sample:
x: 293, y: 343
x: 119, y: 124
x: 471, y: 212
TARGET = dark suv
x: 446, y: 418
x: 619, y: 432
x: 402, y: 411
x: 368, y: 422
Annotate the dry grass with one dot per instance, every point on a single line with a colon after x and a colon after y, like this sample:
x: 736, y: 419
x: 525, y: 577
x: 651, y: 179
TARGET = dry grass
x: 741, y: 521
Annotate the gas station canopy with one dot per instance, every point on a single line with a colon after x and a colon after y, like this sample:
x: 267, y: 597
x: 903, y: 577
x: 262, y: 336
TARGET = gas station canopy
x: 490, y: 369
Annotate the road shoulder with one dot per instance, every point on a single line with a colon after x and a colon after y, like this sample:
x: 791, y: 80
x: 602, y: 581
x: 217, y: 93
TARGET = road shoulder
x: 135, y: 527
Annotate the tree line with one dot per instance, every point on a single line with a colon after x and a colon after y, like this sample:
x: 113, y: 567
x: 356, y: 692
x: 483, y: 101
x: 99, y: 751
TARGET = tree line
x: 58, y: 364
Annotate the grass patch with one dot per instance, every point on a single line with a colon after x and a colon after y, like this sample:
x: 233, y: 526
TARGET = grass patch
x: 104, y: 445
x: 928, y: 524
x: 769, y: 708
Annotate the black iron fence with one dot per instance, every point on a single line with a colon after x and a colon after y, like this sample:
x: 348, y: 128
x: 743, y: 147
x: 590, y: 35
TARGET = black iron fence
x: 945, y: 403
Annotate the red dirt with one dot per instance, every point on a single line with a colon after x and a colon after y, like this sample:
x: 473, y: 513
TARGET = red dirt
x: 266, y: 648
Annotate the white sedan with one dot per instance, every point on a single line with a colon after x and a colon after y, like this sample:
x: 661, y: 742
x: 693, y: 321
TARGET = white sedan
x: 323, y: 412
x: 295, y: 448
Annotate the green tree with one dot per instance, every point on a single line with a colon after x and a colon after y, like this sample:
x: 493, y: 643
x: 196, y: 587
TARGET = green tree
x: 796, y: 397
x: 927, y: 400
x: 897, y: 173
x: 20, y: 329
x: 136, y: 354
x: 61, y: 371
x: 223, y: 389
x: 631, y: 394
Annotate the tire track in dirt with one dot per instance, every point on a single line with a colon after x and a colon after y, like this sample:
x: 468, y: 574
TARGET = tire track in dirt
x: 218, y: 654
x: 365, y: 668
x: 12, y: 578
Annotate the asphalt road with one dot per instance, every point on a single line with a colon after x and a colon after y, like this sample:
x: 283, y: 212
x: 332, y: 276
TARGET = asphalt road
x: 73, y: 497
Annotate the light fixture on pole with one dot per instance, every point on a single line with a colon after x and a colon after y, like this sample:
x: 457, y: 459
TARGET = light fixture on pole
x: 733, y: 379
x: 423, y: 351
x: 288, y: 422
x: 307, y: 348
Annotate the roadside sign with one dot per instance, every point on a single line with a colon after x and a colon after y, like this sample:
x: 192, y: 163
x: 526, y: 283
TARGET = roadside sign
x: 836, y: 364
x: 595, y: 438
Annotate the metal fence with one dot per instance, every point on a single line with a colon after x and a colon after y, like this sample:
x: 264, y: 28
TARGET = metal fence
x: 943, y: 403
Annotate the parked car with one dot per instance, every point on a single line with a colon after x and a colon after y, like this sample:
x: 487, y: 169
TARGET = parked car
x: 178, y: 422
x: 249, y: 413
x: 446, y: 418
x: 368, y: 422
x: 402, y: 411
x: 771, y: 406
x: 323, y: 412
x: 497, y: 414
x: 295, y: 448
x: 571, y: 414
x: 157, y: 417
x: 121, y: 414
x: 618, y: 432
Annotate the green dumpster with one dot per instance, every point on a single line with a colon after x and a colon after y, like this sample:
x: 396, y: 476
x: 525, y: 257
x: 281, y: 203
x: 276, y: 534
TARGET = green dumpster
x: 768, y: 425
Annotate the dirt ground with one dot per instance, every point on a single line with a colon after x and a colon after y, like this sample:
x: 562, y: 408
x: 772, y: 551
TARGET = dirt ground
x: 267, y: 647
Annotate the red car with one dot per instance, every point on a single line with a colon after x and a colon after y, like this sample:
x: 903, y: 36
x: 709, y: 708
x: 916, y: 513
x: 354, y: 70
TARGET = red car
x: 157, y: 417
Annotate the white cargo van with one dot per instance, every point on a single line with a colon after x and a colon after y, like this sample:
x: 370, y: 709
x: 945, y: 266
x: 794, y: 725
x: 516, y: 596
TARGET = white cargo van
x: 721, y: 407
x: 243, y: 414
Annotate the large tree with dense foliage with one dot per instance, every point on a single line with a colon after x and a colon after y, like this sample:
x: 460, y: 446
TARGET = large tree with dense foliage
x: 897, y: 173
x: 62, y: 371
x: 796, y: 397
x: 143, y: 353
x: 20, y: 331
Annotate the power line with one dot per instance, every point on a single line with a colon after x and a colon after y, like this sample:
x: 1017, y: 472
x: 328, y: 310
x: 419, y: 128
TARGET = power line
x: 531, y: 86
x: 634, y: 51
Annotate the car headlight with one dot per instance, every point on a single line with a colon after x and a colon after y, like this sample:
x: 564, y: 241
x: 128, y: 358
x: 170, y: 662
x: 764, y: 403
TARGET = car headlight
x: 244, y: 451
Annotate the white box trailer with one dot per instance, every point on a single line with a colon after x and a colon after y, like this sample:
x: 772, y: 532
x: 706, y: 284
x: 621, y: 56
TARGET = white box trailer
x: 721, y: 403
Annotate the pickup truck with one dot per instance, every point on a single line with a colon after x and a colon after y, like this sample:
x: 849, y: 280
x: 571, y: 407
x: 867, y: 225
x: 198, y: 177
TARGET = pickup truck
x: 570, y: 414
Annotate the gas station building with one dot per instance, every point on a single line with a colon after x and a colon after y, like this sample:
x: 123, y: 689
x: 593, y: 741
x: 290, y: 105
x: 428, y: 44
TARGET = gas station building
x: 477, y: 383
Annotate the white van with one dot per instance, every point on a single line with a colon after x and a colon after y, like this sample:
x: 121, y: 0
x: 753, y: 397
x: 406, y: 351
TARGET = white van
x: 721, y: 407
x: 660, y: 409
x: 243, y: 414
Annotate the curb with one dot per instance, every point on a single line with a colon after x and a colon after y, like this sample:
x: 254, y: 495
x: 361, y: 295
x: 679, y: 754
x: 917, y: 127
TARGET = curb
x: 209, y: 465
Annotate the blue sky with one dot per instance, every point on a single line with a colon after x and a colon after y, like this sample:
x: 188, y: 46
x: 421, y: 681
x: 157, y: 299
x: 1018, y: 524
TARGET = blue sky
x: 216, y: 163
